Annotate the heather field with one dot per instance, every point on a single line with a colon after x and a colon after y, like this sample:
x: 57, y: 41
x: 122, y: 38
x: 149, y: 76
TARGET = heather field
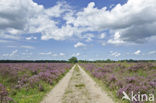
x: 77, y: 51
x: 118, y: 77
x: 29, y: 82
x: 84, y: 83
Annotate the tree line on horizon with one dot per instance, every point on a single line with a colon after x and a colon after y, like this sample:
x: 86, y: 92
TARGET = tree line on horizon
x: 73, y: 60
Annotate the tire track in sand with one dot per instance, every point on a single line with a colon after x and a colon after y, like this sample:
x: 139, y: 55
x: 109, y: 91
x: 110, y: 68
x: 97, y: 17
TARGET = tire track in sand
x: 96, y: 93
x: 56, y: 94
x: 77, y: 87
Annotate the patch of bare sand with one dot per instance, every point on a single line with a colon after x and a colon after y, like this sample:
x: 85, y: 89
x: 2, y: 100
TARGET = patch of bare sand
x: 56, y: 94
x: 77, y: 91
x: 96, y: 93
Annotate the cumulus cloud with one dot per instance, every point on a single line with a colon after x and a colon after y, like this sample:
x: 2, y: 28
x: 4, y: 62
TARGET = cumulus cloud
x: 116, y: 39
x: 102, y: 36
x: 27, y: 47
x: 115, y: 54
x: 152, y: 52
x: 129, y: 20
x: 46, y: 53
x: 79, y: 44
x: 52, y: 54
x: 76, y: 54
x: 8, y: 36
x: 88, y: 36
x: 58, y: 33
x: 20, y: 17
x: 15, y: 16
x: 22, y: 46
x: 11, y: 54
x: 26, y: 53
x: 11, y: 46
x: 31, y: 38
x: 4, y: 41
x: 57, y: 10
x: 62, y: 54
x: 137, y: 52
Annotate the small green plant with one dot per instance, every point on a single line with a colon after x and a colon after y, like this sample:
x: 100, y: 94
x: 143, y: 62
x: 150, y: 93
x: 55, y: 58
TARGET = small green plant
x: 80, y: 85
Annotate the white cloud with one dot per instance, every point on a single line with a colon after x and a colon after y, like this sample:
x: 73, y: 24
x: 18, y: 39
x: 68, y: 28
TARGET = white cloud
x: 8, y: 36
x: 22, y: 46
x: 15, y: 16
x: 31, y: 38
x: 22, y: 17
x: 116, y: 39
x: 5, y: 55
x: 62, y: 54
x: 46, y: 53
x: 137, y: 52
x: 102, y: 36
x: 4, y: 41
x: 25, y: 16
x: 26, y: 53
x: 76, y: 54
x: 79, y: 44
x: 87, y: 36
x: 27, y: 47
x: 58, y: 33
x: 54, y: 55
x: 11, y: 54
x: 152, y: 52
x: 115, y: 54
x: 11, y: 46
x: 128, y: 19
x: 57, y: 10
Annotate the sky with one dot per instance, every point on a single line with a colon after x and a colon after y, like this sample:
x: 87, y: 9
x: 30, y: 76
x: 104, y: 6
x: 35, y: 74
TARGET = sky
x: 87, y: 29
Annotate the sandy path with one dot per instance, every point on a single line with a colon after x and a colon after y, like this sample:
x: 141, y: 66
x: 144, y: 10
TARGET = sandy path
x: 94, y: 90
x: 77, y: 91
x: 56, y: 94
x: 77, y: 87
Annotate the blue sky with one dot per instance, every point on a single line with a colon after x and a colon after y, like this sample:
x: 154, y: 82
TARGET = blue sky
x: 88, y: 29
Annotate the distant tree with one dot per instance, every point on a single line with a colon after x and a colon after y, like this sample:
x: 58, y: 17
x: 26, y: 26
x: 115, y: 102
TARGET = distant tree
x: 108, y: 61
x: 73, y: 60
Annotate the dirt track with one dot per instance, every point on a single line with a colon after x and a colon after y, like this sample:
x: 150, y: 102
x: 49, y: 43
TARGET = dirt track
x: 77, y: 87
x: 56, y: 94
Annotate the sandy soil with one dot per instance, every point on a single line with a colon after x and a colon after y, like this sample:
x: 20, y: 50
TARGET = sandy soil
x: 77, y: 91
x: 77, y: 87
x: 56, y: 94
x: 95, y: 91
